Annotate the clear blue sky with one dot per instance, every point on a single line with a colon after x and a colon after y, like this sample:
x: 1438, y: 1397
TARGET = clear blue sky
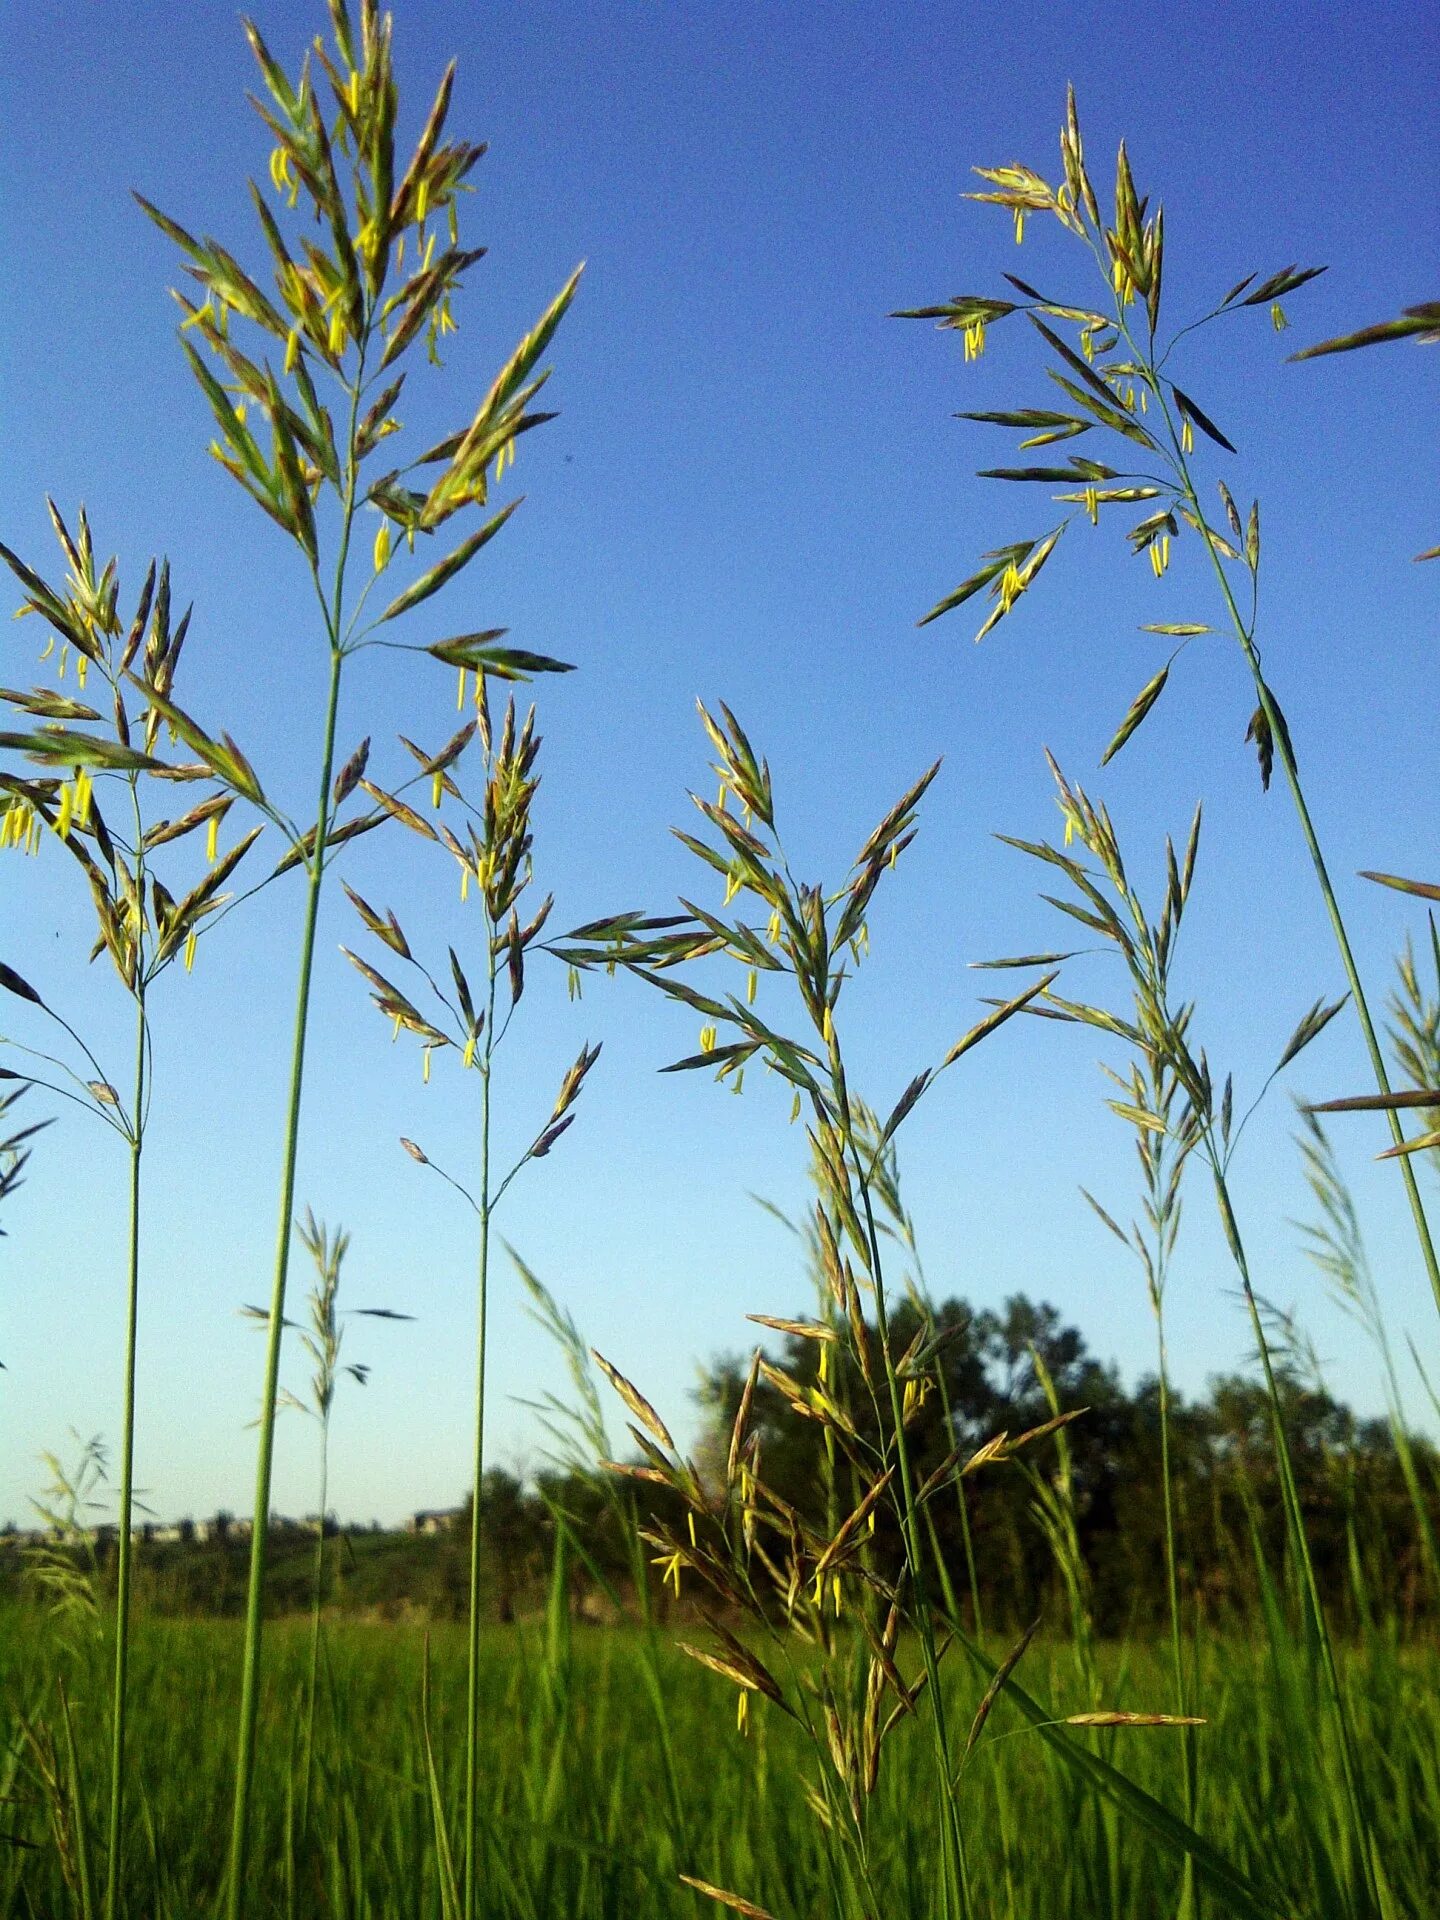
x: 754, y: 490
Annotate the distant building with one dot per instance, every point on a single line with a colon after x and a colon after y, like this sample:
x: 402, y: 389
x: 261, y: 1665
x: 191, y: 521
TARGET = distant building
x: 435, y: 1521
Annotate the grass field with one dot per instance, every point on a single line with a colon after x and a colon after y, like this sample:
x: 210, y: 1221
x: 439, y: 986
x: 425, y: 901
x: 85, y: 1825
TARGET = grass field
x: 592, y: 1806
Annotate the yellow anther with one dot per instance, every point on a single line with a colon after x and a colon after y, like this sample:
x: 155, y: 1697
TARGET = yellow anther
x: 381, y: 553
x: 669, y: 1564
x: 17, y: 826
x: 212, y: 837
x: 283, y: 174
x: 190, y: 952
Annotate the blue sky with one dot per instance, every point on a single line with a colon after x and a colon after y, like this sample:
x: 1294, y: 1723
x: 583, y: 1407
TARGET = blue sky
x: 755, y: 488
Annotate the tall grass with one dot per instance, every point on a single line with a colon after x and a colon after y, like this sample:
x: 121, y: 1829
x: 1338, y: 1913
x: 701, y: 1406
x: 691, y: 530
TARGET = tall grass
x: 888, y: 1754
x: 143, y: 925
x: 813, y: 941
x: 495, y: 860
x: 341, y: 315
x: 1118, y: 383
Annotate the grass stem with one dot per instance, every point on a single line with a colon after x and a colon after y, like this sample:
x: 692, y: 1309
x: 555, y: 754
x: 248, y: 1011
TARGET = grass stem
x: 470, y: 1889
x: 250, y: 1681
x: 124, y: 1545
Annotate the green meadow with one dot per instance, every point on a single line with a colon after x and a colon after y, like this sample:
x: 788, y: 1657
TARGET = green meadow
x: 597, y: 1795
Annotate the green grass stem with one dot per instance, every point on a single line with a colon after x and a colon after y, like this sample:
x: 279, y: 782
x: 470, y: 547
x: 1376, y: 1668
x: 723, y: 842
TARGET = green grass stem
x: 124, y: 1544
x: 250, y: 1686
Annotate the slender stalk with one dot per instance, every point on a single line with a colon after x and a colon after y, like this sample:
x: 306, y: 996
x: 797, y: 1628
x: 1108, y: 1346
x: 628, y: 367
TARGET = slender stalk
x: 1284, y: 752
x: 1162, y: 1204
x: 259, y: 1539
x: 332, y: 610
x: 947, y: 1407
x: 1301, y: 1546
x: 1285, y: 755
x: 910, y: 1521
x: 316, y: 1599
x: 1172, y: 1587
x: 472, y: 1682
x: 127, y: 1472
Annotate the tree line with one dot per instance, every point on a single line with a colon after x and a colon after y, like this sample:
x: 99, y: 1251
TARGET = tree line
x: 1075, y: 1520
